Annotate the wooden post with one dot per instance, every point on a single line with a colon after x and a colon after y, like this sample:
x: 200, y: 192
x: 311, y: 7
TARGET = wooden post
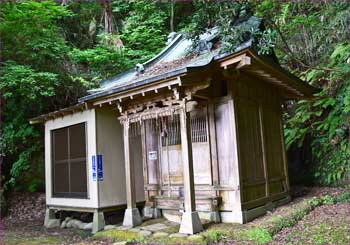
x: 213, y: 150
x: 144, y: 159
x: 263, y: 148
x: 132, y: 215
x: 284, y: 154
x: 190, y: 222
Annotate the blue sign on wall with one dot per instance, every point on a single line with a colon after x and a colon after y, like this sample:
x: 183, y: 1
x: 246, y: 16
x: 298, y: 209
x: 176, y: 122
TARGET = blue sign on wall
x: 93, y: 168
x: 99, y: 167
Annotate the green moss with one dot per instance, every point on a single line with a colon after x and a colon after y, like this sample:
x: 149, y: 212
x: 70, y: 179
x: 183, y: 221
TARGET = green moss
x: 118, y: 236
x: 174, y: 240
x: 258, y: 236
x: 31, y: 240
x: 173, y: 229
x: 214, y: 236
x: 152, y: 222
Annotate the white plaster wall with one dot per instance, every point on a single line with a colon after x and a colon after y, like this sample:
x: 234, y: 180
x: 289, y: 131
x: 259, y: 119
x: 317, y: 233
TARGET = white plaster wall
x: 110, y: 146
x: 88, y: 117
x: 112, y: 189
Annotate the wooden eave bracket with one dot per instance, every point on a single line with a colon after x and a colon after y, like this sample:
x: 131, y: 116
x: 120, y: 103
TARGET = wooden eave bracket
x: 150, y: 113
x: 299, y: 90
x: 240, y: 61
x: 141, y: 91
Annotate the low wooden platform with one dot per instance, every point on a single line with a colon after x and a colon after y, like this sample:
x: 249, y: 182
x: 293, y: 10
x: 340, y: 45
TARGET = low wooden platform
x: 203, y: 203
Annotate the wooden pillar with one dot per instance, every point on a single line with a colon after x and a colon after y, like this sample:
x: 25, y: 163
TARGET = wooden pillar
x: 212, y: 142
x: 144, y: 160
x: 190, y: 222
x: 132, y: 215
x: 284, y: 153
x: 149, y: 210
x: 263, y: 148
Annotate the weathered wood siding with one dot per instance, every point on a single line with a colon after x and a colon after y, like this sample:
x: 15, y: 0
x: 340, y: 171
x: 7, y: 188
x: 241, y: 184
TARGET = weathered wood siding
x: 224, y: 143
x: 261, y: 149
x: 241, y: 157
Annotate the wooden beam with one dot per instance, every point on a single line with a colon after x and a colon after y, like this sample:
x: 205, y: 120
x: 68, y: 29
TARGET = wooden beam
x: 246, y: 60
x: 241, y: 61
x: 263, y: 200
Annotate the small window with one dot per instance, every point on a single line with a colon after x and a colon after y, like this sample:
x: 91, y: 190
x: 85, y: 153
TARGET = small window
x: 170, y: 130
x: 199, y: 128
x: 171, y: 133
x: 69, y: 161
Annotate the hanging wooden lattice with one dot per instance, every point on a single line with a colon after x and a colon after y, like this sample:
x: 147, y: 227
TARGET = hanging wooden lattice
x: 168, y: 127
x: 199, y: 128
x: 135, y: 129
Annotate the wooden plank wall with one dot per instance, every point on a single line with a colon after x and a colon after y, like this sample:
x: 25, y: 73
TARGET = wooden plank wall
x: 262, y: 175
x: 216, y: 172
x: 227, y: 165
x: 261, y: 149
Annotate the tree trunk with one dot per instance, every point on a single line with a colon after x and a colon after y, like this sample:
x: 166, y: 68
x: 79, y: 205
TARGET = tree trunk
x: 64, y: 2
x: 172, y: 16
x: 108, y: 17
x: 108, y: 24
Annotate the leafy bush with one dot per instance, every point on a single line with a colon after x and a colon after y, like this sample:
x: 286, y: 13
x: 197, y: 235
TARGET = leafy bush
x: 326, y: 119
x: 24, y: 91
x: 313, y: 42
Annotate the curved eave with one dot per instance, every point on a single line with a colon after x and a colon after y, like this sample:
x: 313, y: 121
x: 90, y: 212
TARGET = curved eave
x: 134, y: 85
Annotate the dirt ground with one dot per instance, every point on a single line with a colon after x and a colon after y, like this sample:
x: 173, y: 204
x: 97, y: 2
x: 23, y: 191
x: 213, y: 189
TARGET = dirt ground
x: 34, y: 232
x: 24, y: 223
x: 328, y: 223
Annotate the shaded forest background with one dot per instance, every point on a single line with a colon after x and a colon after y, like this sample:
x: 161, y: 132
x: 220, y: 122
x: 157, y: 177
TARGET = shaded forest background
x: 53, y: 51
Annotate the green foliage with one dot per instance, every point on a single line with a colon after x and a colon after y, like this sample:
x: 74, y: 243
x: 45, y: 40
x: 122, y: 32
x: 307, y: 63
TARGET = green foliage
x: 144, y: 33
x: 52, y: 54
x: 30, y: 33
x: 95, y: 63
x: 215, y: 237
x: 327, y: 120
x: 233, y: 31
x: 24, y: 92
x: 344, y: 198
x: 80, y: 29
x: 313, y: 42
x: 259, y: 236
x: 327, y: 200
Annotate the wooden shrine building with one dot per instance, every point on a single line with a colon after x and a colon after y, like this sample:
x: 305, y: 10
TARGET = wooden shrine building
x: 191, y: 134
